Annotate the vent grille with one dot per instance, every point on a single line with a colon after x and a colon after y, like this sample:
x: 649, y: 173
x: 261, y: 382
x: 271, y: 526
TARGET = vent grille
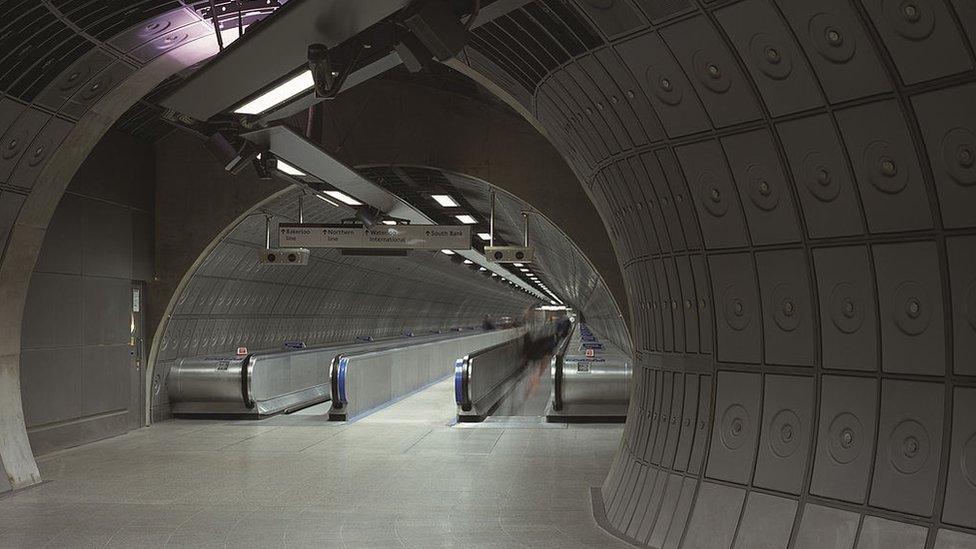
x: 529, y: 42
x: 143, y: 121
x: 34, y: 49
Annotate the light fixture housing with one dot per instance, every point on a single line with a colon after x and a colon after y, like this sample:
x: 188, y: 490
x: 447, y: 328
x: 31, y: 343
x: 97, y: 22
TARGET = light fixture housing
x: 447, y: 252
x: 484, y: 236
x: 466, y: 219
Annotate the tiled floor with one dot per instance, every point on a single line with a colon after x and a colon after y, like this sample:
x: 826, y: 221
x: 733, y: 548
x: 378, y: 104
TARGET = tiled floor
x: 401, y: 477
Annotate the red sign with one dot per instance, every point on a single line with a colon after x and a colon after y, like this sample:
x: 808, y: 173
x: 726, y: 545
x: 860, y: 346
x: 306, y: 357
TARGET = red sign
x: 241, y: 351
x: 590, y: 353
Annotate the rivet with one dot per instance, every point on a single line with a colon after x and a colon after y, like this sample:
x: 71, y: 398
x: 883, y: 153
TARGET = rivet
x: 888, y: 167
x: 716, y: 195
x: 666, y: 84
x: 772, y: 55
x: 630, y: 94
x: 714, y: 71
x: 965, y: 156
x: 764, y: 187
x: 834, y: 37
x: 914, y: 308
x: 823, y: 177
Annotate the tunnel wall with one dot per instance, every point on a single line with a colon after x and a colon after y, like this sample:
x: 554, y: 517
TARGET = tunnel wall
x: 79, y: 380
x: 231, y: 300
x: 790, y: 189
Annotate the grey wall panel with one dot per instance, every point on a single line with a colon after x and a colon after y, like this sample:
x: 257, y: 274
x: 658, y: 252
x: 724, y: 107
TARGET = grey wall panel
x: 922, y: 39
x: 688, y: 305
x: 62, y: 252
x: 910, y: 297
x: 837, y: 46
x: 705, y: 316
x: 736, y: 427
x: 654, y: 507
x: 682, y: 200
x: 682, y: 509
x: 948, y: 121
x: 715, y: 516
x: 51, y: 382
x: 105, y: 378
x: 108, y: 240
x: 668, y: 506
x: 886, y: 167
x: 41, y: 148
x: 665, y: 307
x: 738, y: 318
x: 663, y: 409
x: 766, y: 522
x: 613, y: 103
x: 674, y: 420
x: 702, y: 428
x: 848, y: 308
x: 663, y: 82
x: 906, y: 466
x: 675, y: 304
x: 54, y: 315
x: 712, y: 71
x: 787, y: 307
x: 17, y: 138
x: 106, y: 304
x: 949, y: 539
x: 632, y: 93
x: 826, y: 528
x: 960, y: 496
x: 689, y: 420
x: 879, y: 533
x: 787, y: 429
x: 823, y: 182
x: 613, y: 17
x: 763, y: 188
x: 966, y: 12
x: 597, y: 106
x: 10, y: 203
x: 715, y: 198
x: 771, y: 56
x: 644, y: 502
x: 845, y: 437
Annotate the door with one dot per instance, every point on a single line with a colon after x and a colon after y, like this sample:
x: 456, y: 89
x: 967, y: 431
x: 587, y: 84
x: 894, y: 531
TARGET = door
x: 137, y: 355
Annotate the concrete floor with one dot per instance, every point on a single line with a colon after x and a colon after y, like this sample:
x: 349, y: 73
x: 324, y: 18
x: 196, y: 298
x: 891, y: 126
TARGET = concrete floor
x: 401, y: 477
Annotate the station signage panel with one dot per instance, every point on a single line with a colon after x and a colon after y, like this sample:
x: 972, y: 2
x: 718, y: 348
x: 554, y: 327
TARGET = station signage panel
x: 383, y: 237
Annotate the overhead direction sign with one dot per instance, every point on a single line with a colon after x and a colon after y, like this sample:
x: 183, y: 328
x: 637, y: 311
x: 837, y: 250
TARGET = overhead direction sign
x: 386, y: 237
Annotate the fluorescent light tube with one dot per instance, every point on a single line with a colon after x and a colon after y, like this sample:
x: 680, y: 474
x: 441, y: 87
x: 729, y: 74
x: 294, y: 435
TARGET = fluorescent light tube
x: 279, y: 94
x: 445, y: 200
x: 484, y: 236
x: 466, y: 219
x: 447, y: 252
x: 344, y: 198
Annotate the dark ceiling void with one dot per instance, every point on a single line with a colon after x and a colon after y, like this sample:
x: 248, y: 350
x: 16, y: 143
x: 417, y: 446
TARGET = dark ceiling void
x: 789, y: 189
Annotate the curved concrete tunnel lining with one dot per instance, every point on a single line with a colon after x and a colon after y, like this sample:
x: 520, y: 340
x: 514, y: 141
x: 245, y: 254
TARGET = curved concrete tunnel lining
x: 846, y: 107
x: 780, y: 279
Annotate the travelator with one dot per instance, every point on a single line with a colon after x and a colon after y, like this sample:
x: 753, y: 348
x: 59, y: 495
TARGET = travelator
x: 590, y: 380
x: 482, y: 379
x: 363, y: 379
x: 265, y: 383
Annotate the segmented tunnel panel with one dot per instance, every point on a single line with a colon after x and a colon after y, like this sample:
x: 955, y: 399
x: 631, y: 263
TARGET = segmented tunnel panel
x: 791, y: 187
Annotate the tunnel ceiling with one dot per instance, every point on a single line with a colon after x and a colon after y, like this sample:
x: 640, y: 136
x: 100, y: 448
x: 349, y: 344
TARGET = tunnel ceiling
x: 559, y: 264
